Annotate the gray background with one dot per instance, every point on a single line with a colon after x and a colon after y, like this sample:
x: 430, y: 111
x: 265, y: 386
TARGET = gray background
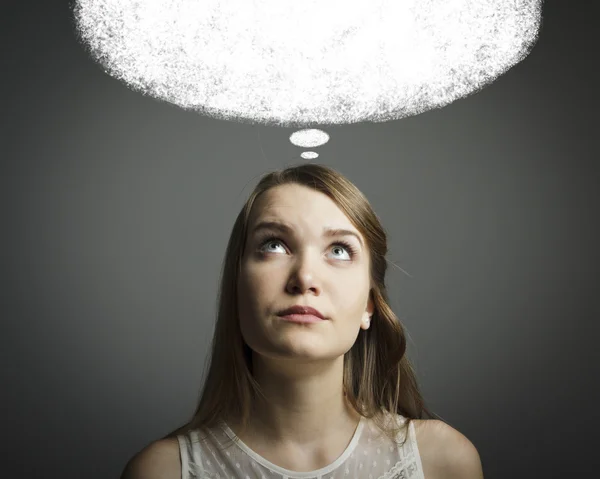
x: 116, y: 211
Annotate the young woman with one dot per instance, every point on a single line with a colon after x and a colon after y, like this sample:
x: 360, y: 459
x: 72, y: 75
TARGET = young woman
x: 308, y: 376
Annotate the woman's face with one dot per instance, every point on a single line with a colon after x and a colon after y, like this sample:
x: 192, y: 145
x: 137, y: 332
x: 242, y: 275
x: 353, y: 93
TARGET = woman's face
x: 302, y: 266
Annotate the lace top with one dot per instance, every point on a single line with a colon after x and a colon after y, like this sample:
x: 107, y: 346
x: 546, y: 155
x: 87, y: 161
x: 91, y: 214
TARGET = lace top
x: 370, y: 455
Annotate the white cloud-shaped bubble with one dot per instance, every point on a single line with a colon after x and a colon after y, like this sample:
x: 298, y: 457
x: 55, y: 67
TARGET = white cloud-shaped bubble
x: 308, y: 62
x: 309, y: 155
x: 309, y: 138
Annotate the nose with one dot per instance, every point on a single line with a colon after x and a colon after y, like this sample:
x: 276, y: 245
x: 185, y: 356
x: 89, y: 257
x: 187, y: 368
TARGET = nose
x: 302, y: 278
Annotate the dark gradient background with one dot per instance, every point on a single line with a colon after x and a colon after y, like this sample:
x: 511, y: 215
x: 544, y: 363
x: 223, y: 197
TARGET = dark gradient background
x: 117, y: 209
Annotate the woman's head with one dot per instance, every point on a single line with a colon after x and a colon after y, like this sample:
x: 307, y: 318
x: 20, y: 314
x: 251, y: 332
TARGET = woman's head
x: 347, y: 284
x: 302, y: 249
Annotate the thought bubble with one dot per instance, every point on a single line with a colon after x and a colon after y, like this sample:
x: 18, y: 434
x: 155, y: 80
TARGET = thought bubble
x: 309, y: 139
x: 308, y: 62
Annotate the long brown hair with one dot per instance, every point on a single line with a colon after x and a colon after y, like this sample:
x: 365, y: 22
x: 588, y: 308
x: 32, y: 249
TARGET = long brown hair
x: 378, y: 377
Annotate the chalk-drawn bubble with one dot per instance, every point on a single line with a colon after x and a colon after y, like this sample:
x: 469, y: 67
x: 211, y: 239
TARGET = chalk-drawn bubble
x: 309, y: 138
x: 309, y: 155
x: 308, y: 62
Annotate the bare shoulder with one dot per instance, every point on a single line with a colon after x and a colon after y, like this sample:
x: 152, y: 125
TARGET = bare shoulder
x: 445, y: 452
x: 159, y: 460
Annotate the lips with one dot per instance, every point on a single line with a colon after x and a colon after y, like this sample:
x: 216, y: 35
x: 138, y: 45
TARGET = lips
x: 301, y: 310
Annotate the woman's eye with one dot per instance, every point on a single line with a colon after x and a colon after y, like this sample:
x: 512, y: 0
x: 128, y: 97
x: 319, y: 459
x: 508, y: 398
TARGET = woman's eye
x: 270, y: 242
x: 340, y: 246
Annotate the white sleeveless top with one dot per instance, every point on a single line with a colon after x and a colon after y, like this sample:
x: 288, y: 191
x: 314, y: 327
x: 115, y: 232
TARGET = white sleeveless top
x: 370, y: 455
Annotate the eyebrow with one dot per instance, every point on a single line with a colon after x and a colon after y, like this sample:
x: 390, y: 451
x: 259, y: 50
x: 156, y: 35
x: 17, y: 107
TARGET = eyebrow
x: 328, y: 232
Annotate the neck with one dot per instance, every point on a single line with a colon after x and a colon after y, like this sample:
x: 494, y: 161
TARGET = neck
x: 304, y: 404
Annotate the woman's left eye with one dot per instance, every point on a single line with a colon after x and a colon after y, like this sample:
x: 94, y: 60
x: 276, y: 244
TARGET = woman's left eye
x: 347, y: 246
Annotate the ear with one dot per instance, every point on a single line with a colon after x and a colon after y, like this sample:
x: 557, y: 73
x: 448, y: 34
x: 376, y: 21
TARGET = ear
x: 369, y: 310
x: 370, y: 304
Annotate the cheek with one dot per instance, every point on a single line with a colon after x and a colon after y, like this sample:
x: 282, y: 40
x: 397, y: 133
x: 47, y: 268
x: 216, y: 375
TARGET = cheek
x: 353, y: 305
x: 253, y: 288
x: 351, y: 298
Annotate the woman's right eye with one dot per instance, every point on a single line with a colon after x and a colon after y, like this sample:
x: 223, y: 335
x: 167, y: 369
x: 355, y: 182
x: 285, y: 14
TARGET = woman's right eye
x: 269, y: 241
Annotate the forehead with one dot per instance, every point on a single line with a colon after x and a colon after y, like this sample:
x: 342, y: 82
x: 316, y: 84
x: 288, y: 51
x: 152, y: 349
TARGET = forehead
x: 299, y: 205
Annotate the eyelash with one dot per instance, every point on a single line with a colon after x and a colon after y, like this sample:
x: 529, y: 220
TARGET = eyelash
x: 351, y: 249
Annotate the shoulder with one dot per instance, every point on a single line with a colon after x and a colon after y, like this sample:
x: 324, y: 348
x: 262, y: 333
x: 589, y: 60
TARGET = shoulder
x: 445, y: 452
x: 158, y: 460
